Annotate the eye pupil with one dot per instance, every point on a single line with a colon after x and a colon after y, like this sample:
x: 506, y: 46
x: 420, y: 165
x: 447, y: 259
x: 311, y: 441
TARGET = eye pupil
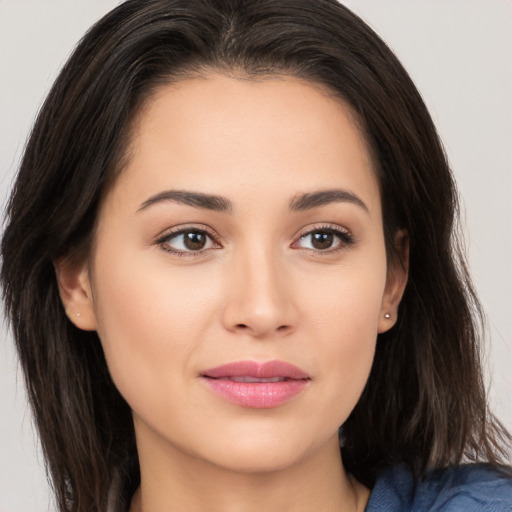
x: 322, y: 239
x: 194, y: 240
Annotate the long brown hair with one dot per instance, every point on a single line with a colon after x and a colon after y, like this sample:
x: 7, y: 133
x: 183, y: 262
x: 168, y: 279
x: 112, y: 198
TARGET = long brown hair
x: 424, y: 404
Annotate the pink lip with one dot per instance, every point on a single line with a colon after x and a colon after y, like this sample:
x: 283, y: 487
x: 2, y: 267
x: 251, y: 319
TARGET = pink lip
x: 257, y: 395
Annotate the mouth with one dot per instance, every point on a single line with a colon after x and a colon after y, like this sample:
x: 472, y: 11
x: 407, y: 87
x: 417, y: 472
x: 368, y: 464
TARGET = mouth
x: 256, y: 385
x: 255, y: 379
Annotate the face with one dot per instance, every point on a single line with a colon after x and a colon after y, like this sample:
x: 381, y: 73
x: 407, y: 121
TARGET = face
x: 246, y: 230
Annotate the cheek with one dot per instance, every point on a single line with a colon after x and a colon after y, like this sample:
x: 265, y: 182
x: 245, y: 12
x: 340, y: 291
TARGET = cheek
x: 150, y: 322
x: 345, y: 325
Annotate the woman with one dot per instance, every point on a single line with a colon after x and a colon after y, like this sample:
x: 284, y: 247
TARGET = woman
x: 231, y: 235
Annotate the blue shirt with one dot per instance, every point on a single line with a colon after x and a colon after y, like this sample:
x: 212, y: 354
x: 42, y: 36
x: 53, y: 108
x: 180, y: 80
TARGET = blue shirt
x: 467, y: 488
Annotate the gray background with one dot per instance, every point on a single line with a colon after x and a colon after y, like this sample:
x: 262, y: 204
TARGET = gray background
x: 457, y: 51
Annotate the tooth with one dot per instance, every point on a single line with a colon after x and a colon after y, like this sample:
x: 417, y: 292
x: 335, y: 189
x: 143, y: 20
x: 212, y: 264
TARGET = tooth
x: 256, y: 379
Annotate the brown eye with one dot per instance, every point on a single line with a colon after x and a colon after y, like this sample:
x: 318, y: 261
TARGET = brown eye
x: 325, y: 239
x: 194, y: 240
x: 322, y: 240
x: 187, y: 241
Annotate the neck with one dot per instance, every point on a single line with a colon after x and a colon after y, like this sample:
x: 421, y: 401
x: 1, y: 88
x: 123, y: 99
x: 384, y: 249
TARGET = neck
x: 172, y: 480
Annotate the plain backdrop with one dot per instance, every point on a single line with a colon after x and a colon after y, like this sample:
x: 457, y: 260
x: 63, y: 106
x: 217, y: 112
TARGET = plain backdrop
x: 459, y: 54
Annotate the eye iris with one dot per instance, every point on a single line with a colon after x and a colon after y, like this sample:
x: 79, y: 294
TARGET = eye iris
x: 194, y: 240
x: 322, y: 240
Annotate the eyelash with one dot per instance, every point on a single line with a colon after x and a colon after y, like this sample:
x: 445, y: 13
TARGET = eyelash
x: 345, y: 237
x: 169, y: 235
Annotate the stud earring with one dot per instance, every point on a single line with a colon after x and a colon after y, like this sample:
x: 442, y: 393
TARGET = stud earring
x: 387, y: 316
x: 77, y: 314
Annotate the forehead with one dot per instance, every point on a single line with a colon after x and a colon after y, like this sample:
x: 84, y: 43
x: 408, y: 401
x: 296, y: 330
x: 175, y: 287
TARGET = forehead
x: 222, y: 135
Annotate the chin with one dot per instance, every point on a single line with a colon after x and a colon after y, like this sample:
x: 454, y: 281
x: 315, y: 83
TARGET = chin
x: 258, y: 459
x: 261, y: 452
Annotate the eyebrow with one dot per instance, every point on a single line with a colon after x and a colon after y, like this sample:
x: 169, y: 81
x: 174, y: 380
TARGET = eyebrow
x: 216, y: 203
x: 195, y: 199
x: 323, y: 197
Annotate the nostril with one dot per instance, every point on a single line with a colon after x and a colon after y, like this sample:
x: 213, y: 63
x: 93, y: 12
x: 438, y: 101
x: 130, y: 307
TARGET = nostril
x: 261, y: 327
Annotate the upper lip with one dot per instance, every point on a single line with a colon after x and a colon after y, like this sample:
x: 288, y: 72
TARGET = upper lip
x: 255, y: 369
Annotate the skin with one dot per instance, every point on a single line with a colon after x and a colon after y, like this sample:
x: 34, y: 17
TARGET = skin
x: 259, y: 292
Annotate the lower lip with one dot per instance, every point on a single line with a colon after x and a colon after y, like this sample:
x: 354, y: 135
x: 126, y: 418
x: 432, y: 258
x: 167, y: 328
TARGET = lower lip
x: 257, y: 395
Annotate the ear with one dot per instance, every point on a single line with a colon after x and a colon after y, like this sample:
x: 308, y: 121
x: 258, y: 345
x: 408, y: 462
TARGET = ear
x: 76, y: 293
x: 396, y: 281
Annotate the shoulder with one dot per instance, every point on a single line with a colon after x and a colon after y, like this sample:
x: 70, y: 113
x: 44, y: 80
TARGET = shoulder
x: 468, y: 488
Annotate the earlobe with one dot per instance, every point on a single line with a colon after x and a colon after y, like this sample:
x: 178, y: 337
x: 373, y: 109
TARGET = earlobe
x: 76, y: 294
x: 395, y: 283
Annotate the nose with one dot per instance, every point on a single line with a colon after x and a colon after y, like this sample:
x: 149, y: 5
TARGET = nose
x: 260, y: 301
